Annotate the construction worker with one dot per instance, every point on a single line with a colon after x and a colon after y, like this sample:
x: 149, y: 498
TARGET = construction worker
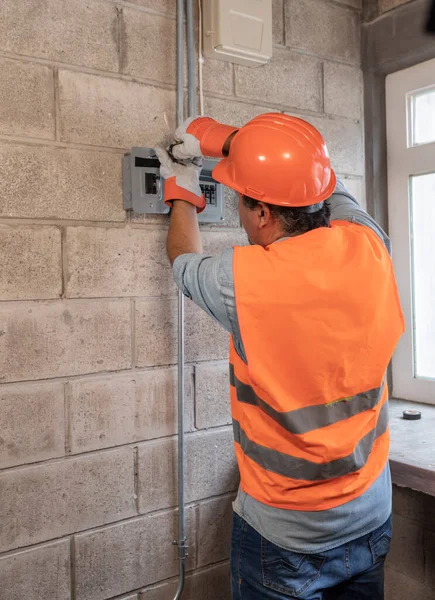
x: 314, y: 315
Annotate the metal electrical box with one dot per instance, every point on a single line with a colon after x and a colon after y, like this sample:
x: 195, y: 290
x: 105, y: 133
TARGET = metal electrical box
x: 238, y: 31
x: 143, y: 188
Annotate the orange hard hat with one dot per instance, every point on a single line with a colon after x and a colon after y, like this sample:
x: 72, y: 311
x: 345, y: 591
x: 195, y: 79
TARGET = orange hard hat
x: 280, y: 160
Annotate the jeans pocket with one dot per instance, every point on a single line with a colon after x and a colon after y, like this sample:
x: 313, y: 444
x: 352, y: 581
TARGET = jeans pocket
x: 380, y: 542
x: 289, y: 573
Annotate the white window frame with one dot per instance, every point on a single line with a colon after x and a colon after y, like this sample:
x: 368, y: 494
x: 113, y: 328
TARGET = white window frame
x: 405, y: 161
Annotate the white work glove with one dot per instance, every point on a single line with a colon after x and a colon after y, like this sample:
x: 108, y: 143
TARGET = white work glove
x: 200, y: 136
x: 181, y: 180
x: 186, y: 146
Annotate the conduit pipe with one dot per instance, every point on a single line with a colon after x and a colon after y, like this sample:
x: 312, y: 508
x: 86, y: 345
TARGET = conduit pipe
x: 191, y: 88
x: 191, y: 60
x: 181, y: 543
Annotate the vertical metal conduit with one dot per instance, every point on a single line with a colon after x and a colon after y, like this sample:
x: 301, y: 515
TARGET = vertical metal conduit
x: 191, y: 59
x: 191, y: 72
x: 180, y: 62
x: 181, y: 542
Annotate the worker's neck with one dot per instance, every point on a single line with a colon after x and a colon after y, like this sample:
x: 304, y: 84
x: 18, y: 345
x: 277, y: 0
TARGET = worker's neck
x: 276, y: 236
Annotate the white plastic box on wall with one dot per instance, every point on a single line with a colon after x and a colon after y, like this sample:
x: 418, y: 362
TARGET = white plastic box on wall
x: 238, y: 31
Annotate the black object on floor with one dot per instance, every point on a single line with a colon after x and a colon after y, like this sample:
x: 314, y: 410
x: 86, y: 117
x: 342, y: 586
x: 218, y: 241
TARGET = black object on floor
x: 411, y: 415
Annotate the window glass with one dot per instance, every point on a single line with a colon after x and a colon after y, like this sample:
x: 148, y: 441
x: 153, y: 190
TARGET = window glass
x: 423, y: 117
x: 422, y: 191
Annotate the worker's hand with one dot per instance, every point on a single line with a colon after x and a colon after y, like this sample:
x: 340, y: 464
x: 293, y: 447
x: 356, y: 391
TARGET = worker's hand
x: 201, y: 136
x: 181, y: 180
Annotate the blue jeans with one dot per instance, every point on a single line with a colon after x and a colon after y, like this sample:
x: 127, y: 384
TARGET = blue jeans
x: 261, y: 570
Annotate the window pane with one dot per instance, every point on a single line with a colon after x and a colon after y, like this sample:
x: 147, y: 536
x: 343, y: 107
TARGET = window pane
x: 422, y: 190
x: 423, y: 117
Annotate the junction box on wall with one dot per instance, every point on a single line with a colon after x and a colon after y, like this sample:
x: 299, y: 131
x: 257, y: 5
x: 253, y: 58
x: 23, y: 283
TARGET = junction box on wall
x: 143, y: 187
x: 239, y: 31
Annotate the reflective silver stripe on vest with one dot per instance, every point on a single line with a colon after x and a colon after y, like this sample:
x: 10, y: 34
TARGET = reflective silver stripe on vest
x: 300, y: 468
x: 309, y: 418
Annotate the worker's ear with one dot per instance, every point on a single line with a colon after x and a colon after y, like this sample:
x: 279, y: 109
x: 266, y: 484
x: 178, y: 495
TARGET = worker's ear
x: 263, y: 214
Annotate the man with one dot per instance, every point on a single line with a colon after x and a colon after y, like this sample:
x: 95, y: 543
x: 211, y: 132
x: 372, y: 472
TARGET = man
x: 314, y: 315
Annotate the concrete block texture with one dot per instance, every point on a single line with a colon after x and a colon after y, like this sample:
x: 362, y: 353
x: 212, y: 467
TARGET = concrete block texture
x: 54, y: 183
x: 210, y: 469
x: 275, y: 82
x: 345, y: 144
x: 210, y: 584
x: 117, y: 262
x: 215, y: 242
x: 231, y: 212
x: 75, y: 32
x: 102, y: 111
x: 163, y: 591
x: 26, y: 99
x: 232, y: 112
x: 149, y: 46
x: 126, y: 556
x: 278, y: 25
x: 207, y: 584
x: 31, y: 262
x: 42, y: 573
x: 324, y: 29
x: 343, y: 90
x: 102, y: 413
x: 212, y: 396
x: 407, y: 548
x: 356, y: 4
x: 156, y: 334
x: 218, y: 76
x: 205, y: 338
x: 161, y: 6
x: 39, y: 341
x: 51, y: 500
x: 119, y: 410
x: 386, y: 5
x: 156, y: 401
x: 32, y: 423
x: 214, y: 535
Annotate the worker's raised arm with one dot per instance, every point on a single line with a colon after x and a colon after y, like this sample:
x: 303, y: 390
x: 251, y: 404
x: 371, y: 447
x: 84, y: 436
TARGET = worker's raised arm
x: 201, y: 278
x: 344, y: 207
x: 183, y: 193
x: 183, y: 234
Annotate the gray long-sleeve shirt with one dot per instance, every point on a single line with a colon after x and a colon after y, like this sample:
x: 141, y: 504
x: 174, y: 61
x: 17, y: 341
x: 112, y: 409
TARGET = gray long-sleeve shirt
x: 209, y: 282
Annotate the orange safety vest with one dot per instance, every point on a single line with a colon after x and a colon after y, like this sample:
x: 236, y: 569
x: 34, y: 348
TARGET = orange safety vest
x: 319, y: 317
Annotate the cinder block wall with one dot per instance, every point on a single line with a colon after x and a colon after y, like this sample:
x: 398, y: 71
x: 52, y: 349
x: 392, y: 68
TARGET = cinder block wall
x: 386, y: 5
x: 410, y: 572
x: 87, y: 303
